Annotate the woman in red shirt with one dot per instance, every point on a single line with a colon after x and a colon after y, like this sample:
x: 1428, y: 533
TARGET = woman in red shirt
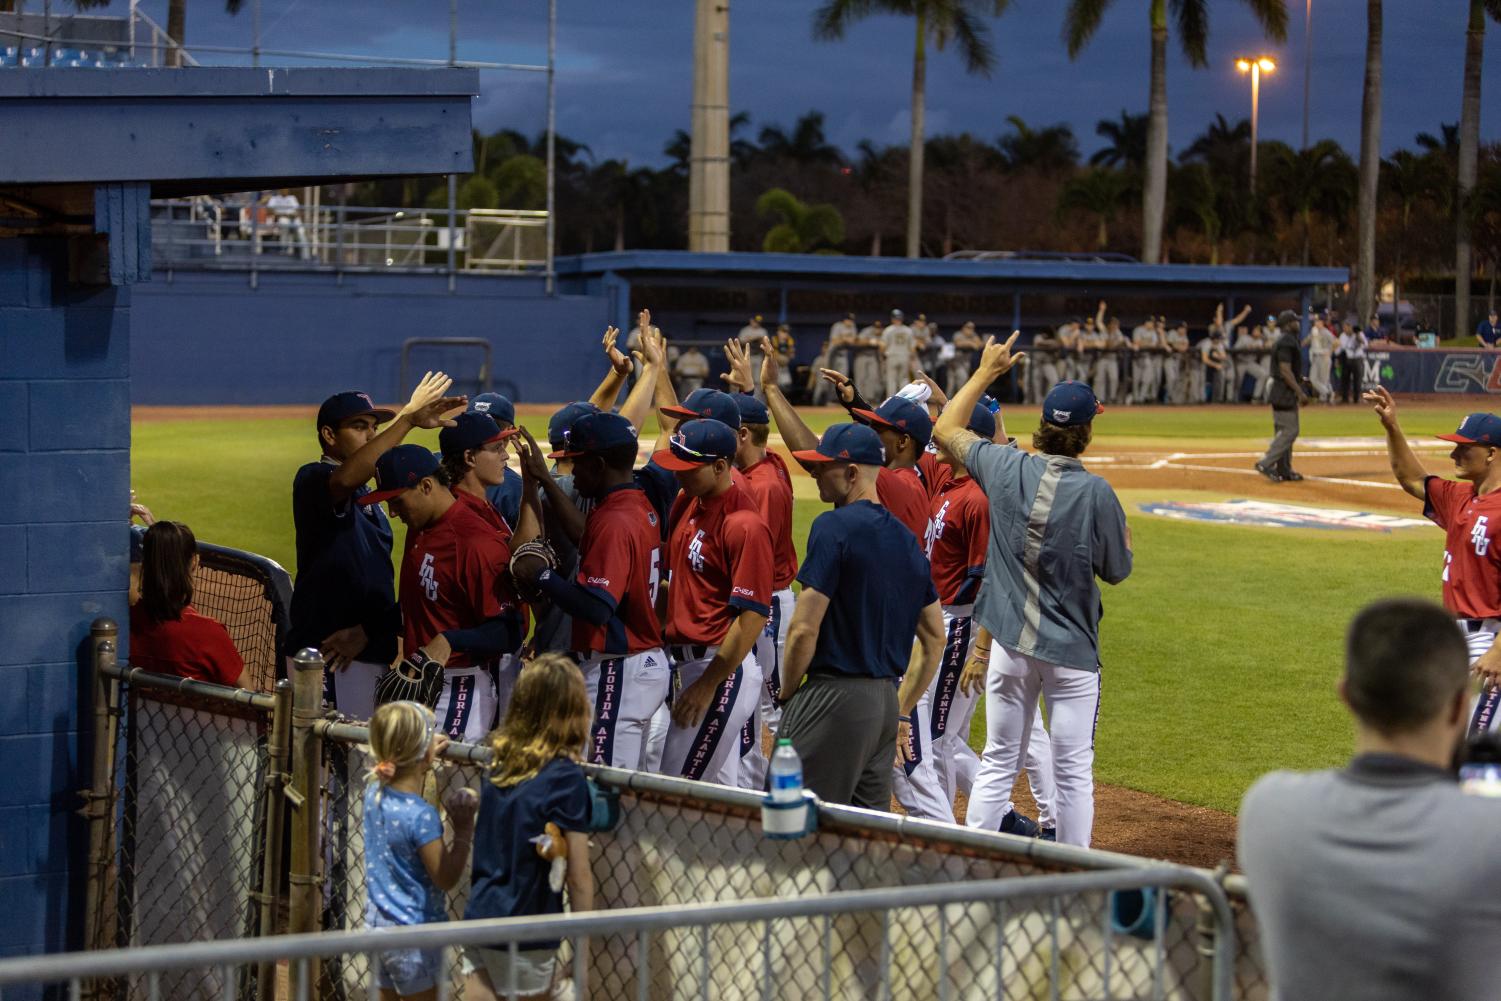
x: 166, y: 635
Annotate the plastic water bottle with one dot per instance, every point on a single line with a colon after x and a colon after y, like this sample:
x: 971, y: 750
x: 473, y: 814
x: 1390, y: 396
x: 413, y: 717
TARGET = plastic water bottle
x: 786, y: 773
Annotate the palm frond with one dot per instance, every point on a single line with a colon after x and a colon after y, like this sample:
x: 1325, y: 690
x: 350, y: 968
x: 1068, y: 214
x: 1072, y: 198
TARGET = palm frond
x: 973, y: 38
x: 834, y: 18
x: 1082, y: 20
x: 1273, y: 17
x: 1192, y: 17
x: 1493, y: 9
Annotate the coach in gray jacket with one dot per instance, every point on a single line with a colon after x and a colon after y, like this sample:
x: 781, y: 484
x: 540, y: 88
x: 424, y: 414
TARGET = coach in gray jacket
x: 1378, y: 881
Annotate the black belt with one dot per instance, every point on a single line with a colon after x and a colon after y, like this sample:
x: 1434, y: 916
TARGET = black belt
x: 688, y: 652
x: 1473, y: 625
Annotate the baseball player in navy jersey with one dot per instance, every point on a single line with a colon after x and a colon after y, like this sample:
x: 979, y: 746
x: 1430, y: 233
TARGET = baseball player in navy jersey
x: 457, y: 602
x: 612, y: 598
x: 720, y: 564
x: 1054, y: 528
x: 344, y: 602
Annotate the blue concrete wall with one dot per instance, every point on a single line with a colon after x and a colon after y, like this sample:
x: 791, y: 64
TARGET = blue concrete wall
x: 65, y: 467
x: 210, y: 338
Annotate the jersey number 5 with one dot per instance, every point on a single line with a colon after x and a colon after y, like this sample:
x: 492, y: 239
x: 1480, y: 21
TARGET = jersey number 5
x: 654, y: 581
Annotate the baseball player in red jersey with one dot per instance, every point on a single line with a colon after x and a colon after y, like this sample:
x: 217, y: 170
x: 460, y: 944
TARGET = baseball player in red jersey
x: 1468, y: 509
x: 457, y: 603
x: 764, y: 477
x: 612, y: 599
x: 719, y: 559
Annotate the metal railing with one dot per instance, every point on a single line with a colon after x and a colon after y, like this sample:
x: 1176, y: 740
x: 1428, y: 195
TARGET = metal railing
x: 194, y: 786
x: 1025, y: 937
x: 303, y: 234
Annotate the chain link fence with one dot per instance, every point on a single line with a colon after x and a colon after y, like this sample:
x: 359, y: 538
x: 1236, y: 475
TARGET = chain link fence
x: 193, y: 846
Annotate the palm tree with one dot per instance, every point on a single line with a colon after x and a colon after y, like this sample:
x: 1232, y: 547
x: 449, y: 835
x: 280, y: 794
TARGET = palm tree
x: 800, y: 228
x: 1222, y: 146
x: 1050, y: 148
x: 805, y: 145
x: 1192, y: 17
x: 1409, y: 180
x: 1308, y: 182
x: 1195, y: 196
x: 177, y: 24
x: 1126, y: 142
x: 941, y: 21
x: 1370, y: 165
x: 742, y: 151
x: 1466, y: 155
x: 1099, y: 192
x: 877, y: 174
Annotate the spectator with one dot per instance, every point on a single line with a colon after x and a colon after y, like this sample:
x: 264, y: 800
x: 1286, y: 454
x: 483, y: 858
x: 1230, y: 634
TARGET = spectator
x: 167, y: 635
x: 286, y: 217
x: 1373, y: 329
x: 690, y: 370
x: 1352, y: 346
x: 898, y: 344
x: 1489, y: 331
x: 1367, y: 882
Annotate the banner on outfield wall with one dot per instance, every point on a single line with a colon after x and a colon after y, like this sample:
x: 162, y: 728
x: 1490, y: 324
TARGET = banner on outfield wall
x: 1429, y: 370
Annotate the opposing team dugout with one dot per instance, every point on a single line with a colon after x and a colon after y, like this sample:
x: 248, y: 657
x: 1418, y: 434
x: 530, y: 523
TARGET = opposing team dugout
x: 83, y: 154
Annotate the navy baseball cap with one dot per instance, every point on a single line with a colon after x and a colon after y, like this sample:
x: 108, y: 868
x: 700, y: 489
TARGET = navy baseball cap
x: 698, y: 443
x: 595, y: 433
x: 495, y: 405
x: 399, y: 470
x: 982, y: 421
x: 559, y: 423
x: 847, y: 443
x: 752, y: 410
x: 471, y: 431
x: 710, y: 403
x: 901, y: 415
x: 1477, y: 429
x: 342, y: 406
x: 1070, y: 404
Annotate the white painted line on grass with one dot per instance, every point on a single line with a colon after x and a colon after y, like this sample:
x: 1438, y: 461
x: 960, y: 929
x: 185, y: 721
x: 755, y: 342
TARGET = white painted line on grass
x: 1306, y: 476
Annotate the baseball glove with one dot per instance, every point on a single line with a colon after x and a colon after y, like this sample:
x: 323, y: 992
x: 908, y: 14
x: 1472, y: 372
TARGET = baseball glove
x: 418, y: 678
x: 537, y: 549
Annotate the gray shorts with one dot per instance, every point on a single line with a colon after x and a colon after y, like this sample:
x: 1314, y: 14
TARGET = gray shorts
x: 409, y: 971
x: 534, y: 968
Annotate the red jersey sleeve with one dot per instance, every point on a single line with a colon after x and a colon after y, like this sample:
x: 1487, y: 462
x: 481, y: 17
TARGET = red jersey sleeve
x: 1443, y: 499
x: 747, y: 548
x: 606, y: 568
x: 221, y: 658
x: 485, y: 578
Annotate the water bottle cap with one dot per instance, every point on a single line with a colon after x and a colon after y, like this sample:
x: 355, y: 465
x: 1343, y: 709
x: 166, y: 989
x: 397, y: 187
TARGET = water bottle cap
x: 784, y: 741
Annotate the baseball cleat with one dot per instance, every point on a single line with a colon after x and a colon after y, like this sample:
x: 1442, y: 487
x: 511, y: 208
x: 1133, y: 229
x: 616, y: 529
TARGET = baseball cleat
x: 1290, y: 476
x: 1049, y: 834
x: 1018, y: 824
x: 1268, y: 473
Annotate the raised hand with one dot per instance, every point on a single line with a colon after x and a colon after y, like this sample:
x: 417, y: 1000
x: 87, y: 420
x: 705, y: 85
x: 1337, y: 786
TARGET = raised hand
x: 462, y: 805
x: 430, y: 390
x: 654, y: 347
x: 643, y: 322
x: 840, y: 382
x: 997, y: 358
x: 1382, y: 404
x: 769, y: 368
x: 533, y: 462
x: 739, y: 376
x: 618, y: 361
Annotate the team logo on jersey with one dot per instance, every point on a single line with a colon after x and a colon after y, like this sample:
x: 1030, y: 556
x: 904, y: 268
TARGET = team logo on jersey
x: 428, y: 576
x: 935, y: 529
x: 1478, y: 537
x: 651, y: 518
x: 696, y: 551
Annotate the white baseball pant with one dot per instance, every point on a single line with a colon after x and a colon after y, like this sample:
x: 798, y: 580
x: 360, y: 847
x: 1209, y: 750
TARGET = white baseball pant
x: 466, y: 709
x: 351, y: 691
x: 769, y: 647
x: 710, y: 751
x: 953, y: 710
x: 1480, y: 634
x: 625, y: 691
x: 1012, y: 686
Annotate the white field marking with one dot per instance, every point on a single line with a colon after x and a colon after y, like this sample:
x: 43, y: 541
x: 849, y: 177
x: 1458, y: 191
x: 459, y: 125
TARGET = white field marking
x: 1306, y: 476
x: 1253, y: 455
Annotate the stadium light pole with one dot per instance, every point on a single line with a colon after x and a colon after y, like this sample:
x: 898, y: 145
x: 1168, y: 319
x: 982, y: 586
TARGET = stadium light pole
x: 1255, y: 65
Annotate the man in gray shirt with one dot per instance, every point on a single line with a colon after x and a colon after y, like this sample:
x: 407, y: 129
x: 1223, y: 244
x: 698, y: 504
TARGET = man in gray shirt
x: 1377, y: 881
x: 1054, y: 528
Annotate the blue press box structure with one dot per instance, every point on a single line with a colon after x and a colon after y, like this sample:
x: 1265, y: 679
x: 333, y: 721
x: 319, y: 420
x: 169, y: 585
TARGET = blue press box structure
x: 16, y: 57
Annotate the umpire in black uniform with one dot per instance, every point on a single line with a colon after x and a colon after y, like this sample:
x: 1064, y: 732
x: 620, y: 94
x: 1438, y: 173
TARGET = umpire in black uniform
x: 1286, y: 394
x: 866, y: 592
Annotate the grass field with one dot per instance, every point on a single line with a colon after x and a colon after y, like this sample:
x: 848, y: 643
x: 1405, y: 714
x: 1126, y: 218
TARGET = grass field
x: 1221, y: 651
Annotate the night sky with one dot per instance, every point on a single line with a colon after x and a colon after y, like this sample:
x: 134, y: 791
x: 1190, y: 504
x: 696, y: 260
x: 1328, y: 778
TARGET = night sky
x: 625, y: 67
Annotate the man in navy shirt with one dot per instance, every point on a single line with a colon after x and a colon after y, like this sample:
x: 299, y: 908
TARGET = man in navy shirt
x: 344, y: 600
x: 1489, y: 331
x: 866, y: 592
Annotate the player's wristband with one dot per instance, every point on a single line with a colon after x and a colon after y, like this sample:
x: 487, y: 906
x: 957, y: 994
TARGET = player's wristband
x: 904, y: 719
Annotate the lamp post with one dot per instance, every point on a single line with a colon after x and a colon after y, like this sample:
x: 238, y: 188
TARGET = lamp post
x: 1255, y: 65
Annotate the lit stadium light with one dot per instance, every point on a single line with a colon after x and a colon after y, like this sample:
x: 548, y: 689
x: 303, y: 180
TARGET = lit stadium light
x: 1255, y: 65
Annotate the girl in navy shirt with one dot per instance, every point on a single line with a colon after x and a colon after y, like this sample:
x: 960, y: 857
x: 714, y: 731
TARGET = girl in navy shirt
x: 536, y: 787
